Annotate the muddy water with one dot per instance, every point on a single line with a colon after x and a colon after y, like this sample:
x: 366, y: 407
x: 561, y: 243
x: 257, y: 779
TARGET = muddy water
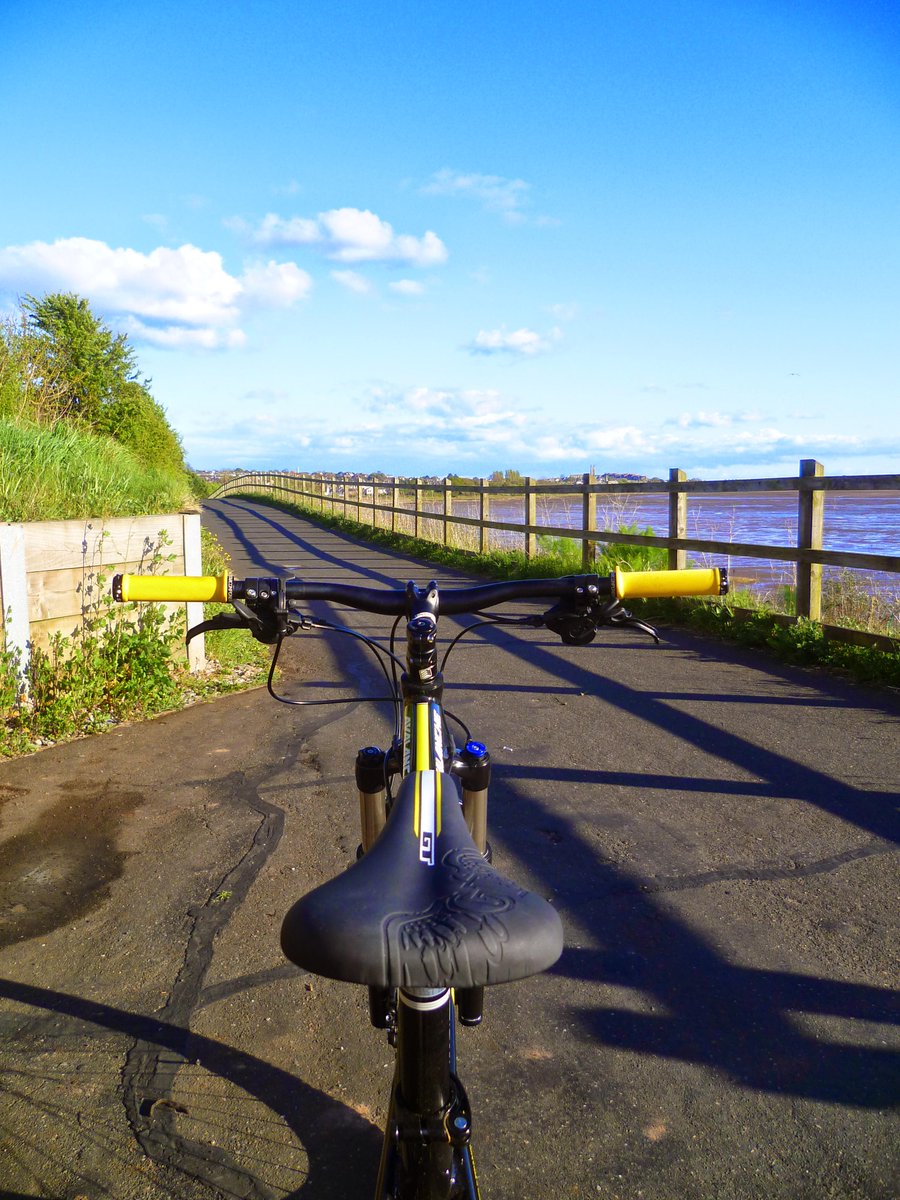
x: 62, y: 865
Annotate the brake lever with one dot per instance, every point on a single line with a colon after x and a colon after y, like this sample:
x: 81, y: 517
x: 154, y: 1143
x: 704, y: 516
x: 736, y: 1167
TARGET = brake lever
x: 624, y: 617
x: 577, y: 625
x: 278, y: 625
x: 220, y: 621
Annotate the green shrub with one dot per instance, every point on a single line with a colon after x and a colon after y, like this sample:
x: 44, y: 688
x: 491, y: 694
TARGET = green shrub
x: 70, y: 398
x: 137, y: 422
x: 119, y: 663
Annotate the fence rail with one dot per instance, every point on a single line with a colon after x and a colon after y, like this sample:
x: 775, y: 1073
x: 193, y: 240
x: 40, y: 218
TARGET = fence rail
x: 362, y: 498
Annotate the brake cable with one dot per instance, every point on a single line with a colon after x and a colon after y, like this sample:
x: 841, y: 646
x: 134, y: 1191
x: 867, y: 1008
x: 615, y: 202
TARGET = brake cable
x: 489, y: 619
x: 378, y: 651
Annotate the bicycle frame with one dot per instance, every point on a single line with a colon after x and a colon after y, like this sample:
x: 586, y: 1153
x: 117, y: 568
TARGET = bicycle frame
x: 427, y: 1153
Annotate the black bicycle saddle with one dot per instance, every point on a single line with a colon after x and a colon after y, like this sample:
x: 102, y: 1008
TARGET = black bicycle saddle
x: 422, y: 908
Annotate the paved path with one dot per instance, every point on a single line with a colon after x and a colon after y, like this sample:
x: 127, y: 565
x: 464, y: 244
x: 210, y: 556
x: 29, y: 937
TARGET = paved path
x: 718, y: 833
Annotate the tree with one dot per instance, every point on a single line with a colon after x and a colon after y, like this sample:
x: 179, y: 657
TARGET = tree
x: 136, y: 420
x: 61, y: 363
x: 510, y: 477
x: 90, y: 364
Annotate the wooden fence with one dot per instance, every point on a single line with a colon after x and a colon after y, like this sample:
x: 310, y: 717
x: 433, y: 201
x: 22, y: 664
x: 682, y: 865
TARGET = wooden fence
x: 363, y: 498
x: 51, y: 572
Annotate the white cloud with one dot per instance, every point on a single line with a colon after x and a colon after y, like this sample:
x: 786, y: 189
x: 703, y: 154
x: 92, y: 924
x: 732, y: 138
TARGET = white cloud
x: 186, y: 284
x: 496, y: 194
x: 182, y: 337
x: 348, y: 235
x: 425, y: 429
x: 520, y: 343
x: 714, y: 420
x: 276, y: 231
x: 275, y: 285
x: 353, y: 282
x: 407, y: 287
x: 170, y: 297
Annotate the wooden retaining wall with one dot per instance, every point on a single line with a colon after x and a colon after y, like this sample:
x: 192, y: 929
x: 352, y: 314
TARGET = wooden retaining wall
x: 52, y: 573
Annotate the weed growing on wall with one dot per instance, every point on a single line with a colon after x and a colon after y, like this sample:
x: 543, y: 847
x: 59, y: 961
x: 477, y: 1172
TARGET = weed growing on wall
x: 120, y: 663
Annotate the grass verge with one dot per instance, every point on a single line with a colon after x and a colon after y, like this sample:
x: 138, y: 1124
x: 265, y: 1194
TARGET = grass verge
x: 57, y: 472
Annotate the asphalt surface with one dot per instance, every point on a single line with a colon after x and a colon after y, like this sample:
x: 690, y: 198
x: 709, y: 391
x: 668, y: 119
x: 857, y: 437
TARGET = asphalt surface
x: 718, y: 833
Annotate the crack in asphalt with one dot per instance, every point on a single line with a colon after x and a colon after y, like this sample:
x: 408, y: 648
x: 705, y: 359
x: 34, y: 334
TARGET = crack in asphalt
x: 149, y: 1071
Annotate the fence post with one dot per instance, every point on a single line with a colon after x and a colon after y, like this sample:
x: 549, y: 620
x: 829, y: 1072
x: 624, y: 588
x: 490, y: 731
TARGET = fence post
x: 588, y: 519
x: 193, y: 565
x: 677, y: 520
x: 14, y: 593
x: 484, y: 514
x: 418, y: 507
x: 530, y: 518
x: 810, y: 525
x: 448, y: 509
x: 394, y: 501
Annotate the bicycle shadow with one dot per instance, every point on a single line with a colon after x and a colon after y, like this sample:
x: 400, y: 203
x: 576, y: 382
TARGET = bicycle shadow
x: 736, y: 1019
x: 341, y: 1147
x: 874, y: 811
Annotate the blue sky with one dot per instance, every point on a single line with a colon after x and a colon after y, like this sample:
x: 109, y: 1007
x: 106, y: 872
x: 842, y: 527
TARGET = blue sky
x: 430, y: 237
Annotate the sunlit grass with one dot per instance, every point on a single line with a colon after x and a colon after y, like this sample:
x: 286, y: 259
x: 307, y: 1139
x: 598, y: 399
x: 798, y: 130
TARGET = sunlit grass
x: 59, y: 472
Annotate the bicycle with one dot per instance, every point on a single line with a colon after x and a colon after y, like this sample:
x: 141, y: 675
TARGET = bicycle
x: 422, y: 918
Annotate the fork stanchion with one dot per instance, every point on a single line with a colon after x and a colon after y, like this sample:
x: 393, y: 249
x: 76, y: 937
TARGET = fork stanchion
x: 372, y: 796
x: 473, y: 768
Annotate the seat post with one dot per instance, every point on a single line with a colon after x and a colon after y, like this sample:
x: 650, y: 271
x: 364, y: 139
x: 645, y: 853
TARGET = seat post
x: 423, y: 1040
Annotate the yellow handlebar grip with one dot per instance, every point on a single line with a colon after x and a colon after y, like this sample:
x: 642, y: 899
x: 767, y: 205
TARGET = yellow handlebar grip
x: 173, y: 588
x: 706, y: 581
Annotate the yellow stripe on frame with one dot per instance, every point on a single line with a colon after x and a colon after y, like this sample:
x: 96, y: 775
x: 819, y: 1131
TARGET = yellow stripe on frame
x: 423, y: 737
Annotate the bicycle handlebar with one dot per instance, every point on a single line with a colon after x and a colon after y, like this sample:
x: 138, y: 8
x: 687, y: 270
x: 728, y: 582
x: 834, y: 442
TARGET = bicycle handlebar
x: 620, y: 585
